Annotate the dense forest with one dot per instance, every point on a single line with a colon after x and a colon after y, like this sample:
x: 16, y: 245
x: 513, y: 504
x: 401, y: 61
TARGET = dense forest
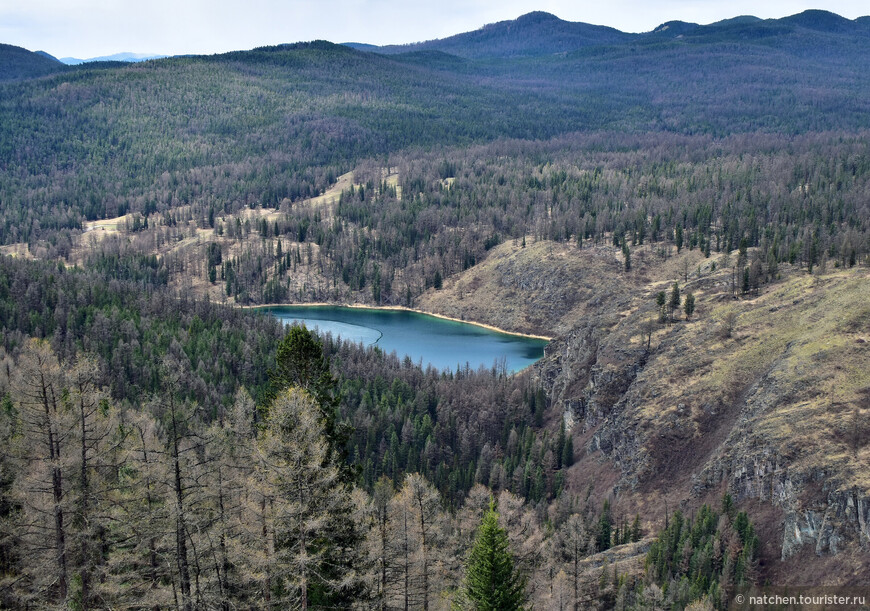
x: 772, y: 194
x: 277, y: 123
x: 685, y: 212
x: 150, y: 493
x: 796, y: 200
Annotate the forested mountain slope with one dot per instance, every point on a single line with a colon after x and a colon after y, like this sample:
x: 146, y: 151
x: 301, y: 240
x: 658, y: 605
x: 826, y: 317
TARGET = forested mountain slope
x: 536, y: 33
x: 760, y: 393
x: 17, y: 63
x: 684, y: 211
x: 261, y: 126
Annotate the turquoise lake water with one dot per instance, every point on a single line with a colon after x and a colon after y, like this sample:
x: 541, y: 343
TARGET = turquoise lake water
x: 443, y: 344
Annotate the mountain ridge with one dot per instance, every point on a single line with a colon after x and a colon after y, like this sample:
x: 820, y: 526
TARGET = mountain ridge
x: 18, y: 63
x: 124, y: 56
x: 533, y: 34
x: 540, y: 33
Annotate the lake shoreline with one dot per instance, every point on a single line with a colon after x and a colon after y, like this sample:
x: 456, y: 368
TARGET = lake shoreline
x: 362, y: 306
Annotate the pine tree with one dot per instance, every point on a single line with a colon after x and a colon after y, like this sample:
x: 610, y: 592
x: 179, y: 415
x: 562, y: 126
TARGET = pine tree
x: 674, y: 302
x: 689, y: 305
x: 635, y: 529
x: 605, y: 528
x: 661, y: 299
x: 491, y: 581
x: 568, y: 451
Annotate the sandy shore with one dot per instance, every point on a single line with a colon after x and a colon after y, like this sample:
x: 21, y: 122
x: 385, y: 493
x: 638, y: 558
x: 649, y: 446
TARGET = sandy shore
x: 400, y: 308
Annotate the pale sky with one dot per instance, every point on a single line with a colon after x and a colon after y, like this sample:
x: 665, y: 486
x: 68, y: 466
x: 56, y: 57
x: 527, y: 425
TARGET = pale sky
x: 91, y: 28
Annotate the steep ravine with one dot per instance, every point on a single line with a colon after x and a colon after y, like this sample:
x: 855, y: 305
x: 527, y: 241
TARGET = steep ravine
x: 776, y: 411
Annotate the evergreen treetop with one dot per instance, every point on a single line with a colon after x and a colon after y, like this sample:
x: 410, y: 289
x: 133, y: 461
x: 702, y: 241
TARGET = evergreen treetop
x: 492, y: 581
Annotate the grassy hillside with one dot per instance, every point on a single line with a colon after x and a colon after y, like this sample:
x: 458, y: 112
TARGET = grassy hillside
x: 544, y: 287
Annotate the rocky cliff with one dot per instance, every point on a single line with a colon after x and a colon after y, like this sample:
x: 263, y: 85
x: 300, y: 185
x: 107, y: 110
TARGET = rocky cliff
x: 765, y: 395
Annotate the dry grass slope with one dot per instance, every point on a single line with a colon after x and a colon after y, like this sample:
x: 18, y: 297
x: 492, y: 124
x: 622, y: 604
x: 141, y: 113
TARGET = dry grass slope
x: 777, y: 412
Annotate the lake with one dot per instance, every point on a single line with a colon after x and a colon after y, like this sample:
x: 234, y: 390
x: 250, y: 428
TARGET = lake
x: 428, y: 340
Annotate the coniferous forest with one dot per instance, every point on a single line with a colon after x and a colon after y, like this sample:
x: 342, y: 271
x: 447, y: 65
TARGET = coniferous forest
x: 684, y: 213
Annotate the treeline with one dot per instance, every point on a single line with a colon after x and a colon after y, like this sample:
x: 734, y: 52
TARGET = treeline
x: 458, y: 429
x: 131, y: 325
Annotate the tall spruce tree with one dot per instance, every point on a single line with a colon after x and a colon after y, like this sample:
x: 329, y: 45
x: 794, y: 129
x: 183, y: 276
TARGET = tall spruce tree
x: 492, y: 583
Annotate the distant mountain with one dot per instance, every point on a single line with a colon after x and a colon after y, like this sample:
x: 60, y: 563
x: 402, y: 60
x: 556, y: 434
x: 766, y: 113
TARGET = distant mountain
x: 741, y: 20
x: 542, y: 34
x: 673, y: 29
x: 48, y: 56
x: 823, y: 21
x: 536, y: 33
x: 117, y: 57
x: 17, y: 63
x: 812, y: 34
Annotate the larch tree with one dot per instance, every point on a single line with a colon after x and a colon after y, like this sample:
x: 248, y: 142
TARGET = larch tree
x: 403, y: 542
x: 46, y: 448
x: 310, y: 501
x: 525, y: 535
x: 467, y: 521
x: 177, y: 418
x: 95, y: 462
x: 381, y: 550
x: 178, y: 469
x: 68, y: 451
x: 250, y: 529
x: 9, y: 471
x: 415, y: 520
x: 230, y: 452
x: 144, y: 557
x: 573, y: 542
x: 560, y: 594
x: 425, y: 504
